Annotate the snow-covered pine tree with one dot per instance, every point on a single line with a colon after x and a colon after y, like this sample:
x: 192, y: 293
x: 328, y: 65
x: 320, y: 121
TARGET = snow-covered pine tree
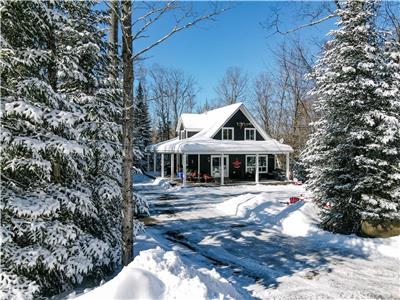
x: 142, y: 126
x: 380, y: 199
x: 60, y: 149
x: 351, y: 156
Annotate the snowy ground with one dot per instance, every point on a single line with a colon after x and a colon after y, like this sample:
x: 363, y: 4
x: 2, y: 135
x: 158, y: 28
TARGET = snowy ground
x: 245, y: 242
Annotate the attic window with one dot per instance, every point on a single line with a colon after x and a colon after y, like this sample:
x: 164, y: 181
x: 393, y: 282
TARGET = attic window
x: 250, y: 134
x: 227, y: 133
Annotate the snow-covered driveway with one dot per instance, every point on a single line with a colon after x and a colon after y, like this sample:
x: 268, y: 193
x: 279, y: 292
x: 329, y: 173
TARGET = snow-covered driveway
x: 265, y: 248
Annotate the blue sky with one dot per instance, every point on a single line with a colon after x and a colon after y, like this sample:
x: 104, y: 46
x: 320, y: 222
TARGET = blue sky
x: 236, y: 38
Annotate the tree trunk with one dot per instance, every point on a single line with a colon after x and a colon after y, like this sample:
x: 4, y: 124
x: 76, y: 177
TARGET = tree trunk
x: 127, y: 134
x: 51, y: 44
x: 113, y: 37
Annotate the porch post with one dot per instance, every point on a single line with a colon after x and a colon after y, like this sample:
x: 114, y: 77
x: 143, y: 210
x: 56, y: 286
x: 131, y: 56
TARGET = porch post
x: 257, y: 169
x: 184, y: 169
x: 221, y: 171
x: 287, y: 166
x: 162, y: 165
x: 198, y: 166
x: 172, y: 166
x: 148, y: 162
x: 154, y: 163
x: 178, y: 161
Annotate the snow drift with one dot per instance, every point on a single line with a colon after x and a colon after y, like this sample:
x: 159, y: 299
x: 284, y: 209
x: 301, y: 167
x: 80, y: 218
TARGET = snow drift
x: 157, y: 274
x: 300, y: 220
x: 295, y: 220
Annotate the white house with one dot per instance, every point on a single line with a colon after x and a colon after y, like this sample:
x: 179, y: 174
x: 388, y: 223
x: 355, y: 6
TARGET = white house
x: 226, y: 138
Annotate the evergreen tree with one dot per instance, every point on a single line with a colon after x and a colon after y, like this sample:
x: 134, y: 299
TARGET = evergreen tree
x: 142, y: 126
x: 352, y: 156
x: 61, y: 151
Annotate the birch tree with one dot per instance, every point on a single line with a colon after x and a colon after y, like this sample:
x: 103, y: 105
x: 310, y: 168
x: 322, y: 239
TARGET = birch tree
x: 132, y: 30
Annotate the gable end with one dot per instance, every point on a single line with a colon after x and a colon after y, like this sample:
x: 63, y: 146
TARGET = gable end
x: 239, y: 122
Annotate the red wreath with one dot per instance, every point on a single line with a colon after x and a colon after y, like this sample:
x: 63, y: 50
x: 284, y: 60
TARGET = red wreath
x: 236, y: 164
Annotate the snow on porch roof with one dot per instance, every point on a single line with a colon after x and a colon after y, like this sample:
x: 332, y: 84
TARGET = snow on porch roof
x: 209, y: 146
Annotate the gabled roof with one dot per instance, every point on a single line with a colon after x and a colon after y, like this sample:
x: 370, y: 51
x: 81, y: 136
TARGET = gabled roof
x: 191, y: 122
x: 210, y: 122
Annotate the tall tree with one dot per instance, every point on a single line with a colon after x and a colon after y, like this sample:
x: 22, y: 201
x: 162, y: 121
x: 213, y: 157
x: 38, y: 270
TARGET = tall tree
x: 352, y: 156
x: 114, y: 12
x: 264, y: 100
x: 59, y: 162
x: 152, y: 13
x: 127, y: 130
x: 142, y: 126
x: 173, y: 93
x: 233, y: 86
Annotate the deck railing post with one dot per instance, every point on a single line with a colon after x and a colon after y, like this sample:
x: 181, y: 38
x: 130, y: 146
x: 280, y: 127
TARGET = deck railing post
x: 184, y: 169
x: 162, y: 165
x: 172, y: 166
x: 287, y: 166
x: 221, y: 171
x: 154, y: 163
x: 257, y: 175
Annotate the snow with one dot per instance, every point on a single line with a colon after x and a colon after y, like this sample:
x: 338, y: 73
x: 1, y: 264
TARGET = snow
x: 207, y: 145
x: 266, y: 248
x: 210, y: 121
x: 246, y: 242
x: 193, y: 121
x: 159, y: 274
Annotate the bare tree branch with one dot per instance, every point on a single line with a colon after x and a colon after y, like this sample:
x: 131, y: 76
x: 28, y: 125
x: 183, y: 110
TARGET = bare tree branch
x: 177, y: 29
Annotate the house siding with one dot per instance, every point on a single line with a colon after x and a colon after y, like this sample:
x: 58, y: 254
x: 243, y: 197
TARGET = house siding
x: 239, y: 122
x: 238, y: 173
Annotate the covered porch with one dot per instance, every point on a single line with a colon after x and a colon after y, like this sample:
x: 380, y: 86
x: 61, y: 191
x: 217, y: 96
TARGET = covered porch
x: 197, y: 160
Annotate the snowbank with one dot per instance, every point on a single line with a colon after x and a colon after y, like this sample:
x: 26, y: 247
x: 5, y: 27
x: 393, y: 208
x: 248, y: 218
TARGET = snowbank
x: 249, y: 206
x: 157, y: 274
x: 300, y: 220
x: 142, y: 183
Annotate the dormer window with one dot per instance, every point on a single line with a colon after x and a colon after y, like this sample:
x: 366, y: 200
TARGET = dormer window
x: 250, y: 134
x: 227, y: 133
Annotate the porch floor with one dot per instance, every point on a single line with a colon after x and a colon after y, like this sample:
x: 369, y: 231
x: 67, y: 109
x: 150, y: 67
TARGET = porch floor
x: 230, y: 182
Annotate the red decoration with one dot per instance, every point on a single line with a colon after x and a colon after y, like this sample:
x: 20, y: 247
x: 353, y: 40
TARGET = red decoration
x: 236, y: 164
x: 293, y: 200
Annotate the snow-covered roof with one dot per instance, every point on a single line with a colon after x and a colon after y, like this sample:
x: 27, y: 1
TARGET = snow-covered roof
x: 192, y: 121
x: 196, y: 145
x: 208, y: 124
x: 207, y: 119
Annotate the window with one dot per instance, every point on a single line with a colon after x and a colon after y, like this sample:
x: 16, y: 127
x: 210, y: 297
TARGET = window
x: 263, y: 164
x: 183, y: 134
x: 250, y: 134
x: 227, y: 133
x: 251, y: 164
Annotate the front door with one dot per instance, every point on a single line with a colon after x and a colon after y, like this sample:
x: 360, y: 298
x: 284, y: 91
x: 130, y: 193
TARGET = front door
x: 216, y: 166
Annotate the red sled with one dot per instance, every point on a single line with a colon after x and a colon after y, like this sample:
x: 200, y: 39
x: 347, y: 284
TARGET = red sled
x: 293, y: 200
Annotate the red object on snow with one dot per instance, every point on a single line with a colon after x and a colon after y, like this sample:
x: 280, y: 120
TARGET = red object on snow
x: 294, y: 200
